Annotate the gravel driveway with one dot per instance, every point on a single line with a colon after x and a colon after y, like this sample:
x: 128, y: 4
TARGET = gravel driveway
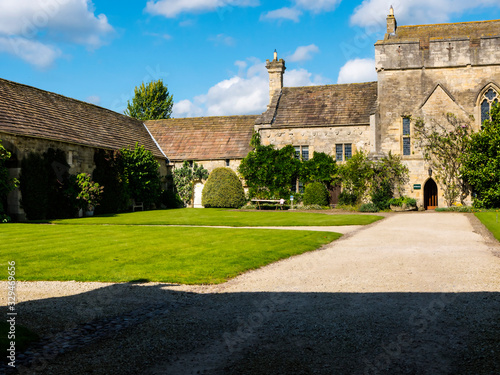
x: 416, y: 293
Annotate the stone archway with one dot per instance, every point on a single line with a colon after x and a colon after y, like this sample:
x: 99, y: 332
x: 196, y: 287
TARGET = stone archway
x: 430, y: 195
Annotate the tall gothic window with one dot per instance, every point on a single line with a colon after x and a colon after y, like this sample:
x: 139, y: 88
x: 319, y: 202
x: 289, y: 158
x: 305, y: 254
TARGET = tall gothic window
x: 406, y: 136
x: 488, y: 99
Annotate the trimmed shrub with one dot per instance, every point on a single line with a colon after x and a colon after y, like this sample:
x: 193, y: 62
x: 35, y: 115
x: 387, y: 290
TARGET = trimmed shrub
x: 170, y: 199
x: 368, y: 207
x: 347, y: 199
x: 223, y: 189
x: 316, y: 194
x: 403, y: 201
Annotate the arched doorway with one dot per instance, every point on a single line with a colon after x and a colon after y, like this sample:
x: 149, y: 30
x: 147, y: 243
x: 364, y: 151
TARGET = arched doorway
x: 430, y: 195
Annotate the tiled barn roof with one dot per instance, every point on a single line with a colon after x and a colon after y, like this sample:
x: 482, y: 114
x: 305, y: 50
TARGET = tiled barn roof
x: 204, y: 138
x: 328, y: 105
x: 31, y: 112
x: 445, y: 31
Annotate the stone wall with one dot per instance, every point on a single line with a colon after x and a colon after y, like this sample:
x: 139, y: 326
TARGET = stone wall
x: 319, y: 139
x: 80, y: 158
x: 429, y: 85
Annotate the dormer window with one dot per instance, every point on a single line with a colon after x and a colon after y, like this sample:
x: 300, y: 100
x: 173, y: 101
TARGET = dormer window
x: 489, y: 98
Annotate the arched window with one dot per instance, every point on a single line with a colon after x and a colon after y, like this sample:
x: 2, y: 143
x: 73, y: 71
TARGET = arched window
x: 488, y: 99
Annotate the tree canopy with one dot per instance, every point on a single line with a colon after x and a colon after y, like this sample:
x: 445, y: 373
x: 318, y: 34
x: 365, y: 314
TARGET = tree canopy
x: 481, y: 163
x: 443, y: 144
x: 269, y: 173
x: 151, y: 102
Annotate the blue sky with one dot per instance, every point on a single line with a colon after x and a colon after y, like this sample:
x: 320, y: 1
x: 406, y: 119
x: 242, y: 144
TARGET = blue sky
x: 210, y: 53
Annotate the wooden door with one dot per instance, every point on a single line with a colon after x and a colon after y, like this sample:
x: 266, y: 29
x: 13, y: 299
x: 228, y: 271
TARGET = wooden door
x: 430, y: 195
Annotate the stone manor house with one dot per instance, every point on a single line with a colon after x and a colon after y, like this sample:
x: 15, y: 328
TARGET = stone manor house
x: 423, y: 72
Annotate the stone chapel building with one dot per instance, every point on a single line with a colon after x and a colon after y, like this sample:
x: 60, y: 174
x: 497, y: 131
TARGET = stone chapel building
x: 423, y: 72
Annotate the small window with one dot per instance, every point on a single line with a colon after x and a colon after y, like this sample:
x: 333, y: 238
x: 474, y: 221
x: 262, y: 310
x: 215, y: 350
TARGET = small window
x: 190, y: 163
x: 227, y: 162
x: 406, y: 146
x: 301, y: 187
x: 339, y: 152
x: 297, y: 152
x: 305, y: 153
x: 301, y: 152
x: 348, y: 151
x: 406, y: 126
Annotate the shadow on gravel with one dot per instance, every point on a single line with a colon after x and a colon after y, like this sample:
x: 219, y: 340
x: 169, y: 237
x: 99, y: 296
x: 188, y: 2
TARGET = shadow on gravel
x: 132, y: 328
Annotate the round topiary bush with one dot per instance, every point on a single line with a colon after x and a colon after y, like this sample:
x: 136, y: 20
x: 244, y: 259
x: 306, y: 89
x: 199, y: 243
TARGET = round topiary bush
x: 316, y: 193
x: 223, y: 189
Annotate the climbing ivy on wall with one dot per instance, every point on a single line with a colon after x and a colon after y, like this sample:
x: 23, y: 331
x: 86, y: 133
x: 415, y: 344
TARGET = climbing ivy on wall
x: 7, y: 184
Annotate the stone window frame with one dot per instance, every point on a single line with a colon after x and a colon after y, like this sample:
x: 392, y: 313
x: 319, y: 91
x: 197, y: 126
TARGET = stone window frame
x: 300, y: 151
x: 299, y: 154
x: 344, y: 154
x: 407, y: 136
x: 482, y: 97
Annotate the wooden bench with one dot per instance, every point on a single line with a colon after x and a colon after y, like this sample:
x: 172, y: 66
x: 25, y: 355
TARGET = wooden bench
x: 137, y: 205
x: 275, y: 201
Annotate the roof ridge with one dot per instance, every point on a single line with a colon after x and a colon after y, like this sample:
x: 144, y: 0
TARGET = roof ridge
x: 332, y: 85
x: 447, y: 23
x: 66, y: 98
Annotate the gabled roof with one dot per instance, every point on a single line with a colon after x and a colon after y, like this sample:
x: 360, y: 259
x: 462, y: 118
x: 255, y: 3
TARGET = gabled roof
x: 445, y: 31
x: 329, y: 105
x: 28, y: 111
x: 204, y: 138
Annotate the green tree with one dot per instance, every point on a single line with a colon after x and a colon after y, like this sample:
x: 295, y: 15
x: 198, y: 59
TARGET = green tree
x: 390, y: 176
x: 185, y: 178
x: 269, y: 172
x: 443, y: 145
x: 356, y: 175
x: 481, y: 163
x: 140, y: 171
x: 150, y: 102
x: 320, y: 168
x: 108, y: 173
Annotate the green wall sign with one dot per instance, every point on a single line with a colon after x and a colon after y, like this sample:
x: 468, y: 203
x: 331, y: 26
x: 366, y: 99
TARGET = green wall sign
x: 417, y: 187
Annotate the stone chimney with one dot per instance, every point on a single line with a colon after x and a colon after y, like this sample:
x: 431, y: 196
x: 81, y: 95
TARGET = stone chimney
x: 276, y: 69
x: 392, y: 25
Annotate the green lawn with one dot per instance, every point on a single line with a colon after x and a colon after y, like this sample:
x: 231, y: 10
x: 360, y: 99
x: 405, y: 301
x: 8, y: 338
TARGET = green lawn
x: 492, y: 221
x: 119, y: 253
x: 220, y: 217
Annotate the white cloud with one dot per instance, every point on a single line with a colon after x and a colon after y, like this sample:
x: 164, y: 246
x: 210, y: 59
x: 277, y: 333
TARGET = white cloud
x: 302, y: 77
x: 413, y: 12
x: 358, y: 70
x: 35, y: 53
x: 223, y: 39
x: 245, y: 93
x: 300, y: 6
x: 34, y: 23
x: 285, y: 13
x: 318, y: 6
x: 185, y: 108
x: 172, y: 8
x: 94, y: 99
x: 303, y: 53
